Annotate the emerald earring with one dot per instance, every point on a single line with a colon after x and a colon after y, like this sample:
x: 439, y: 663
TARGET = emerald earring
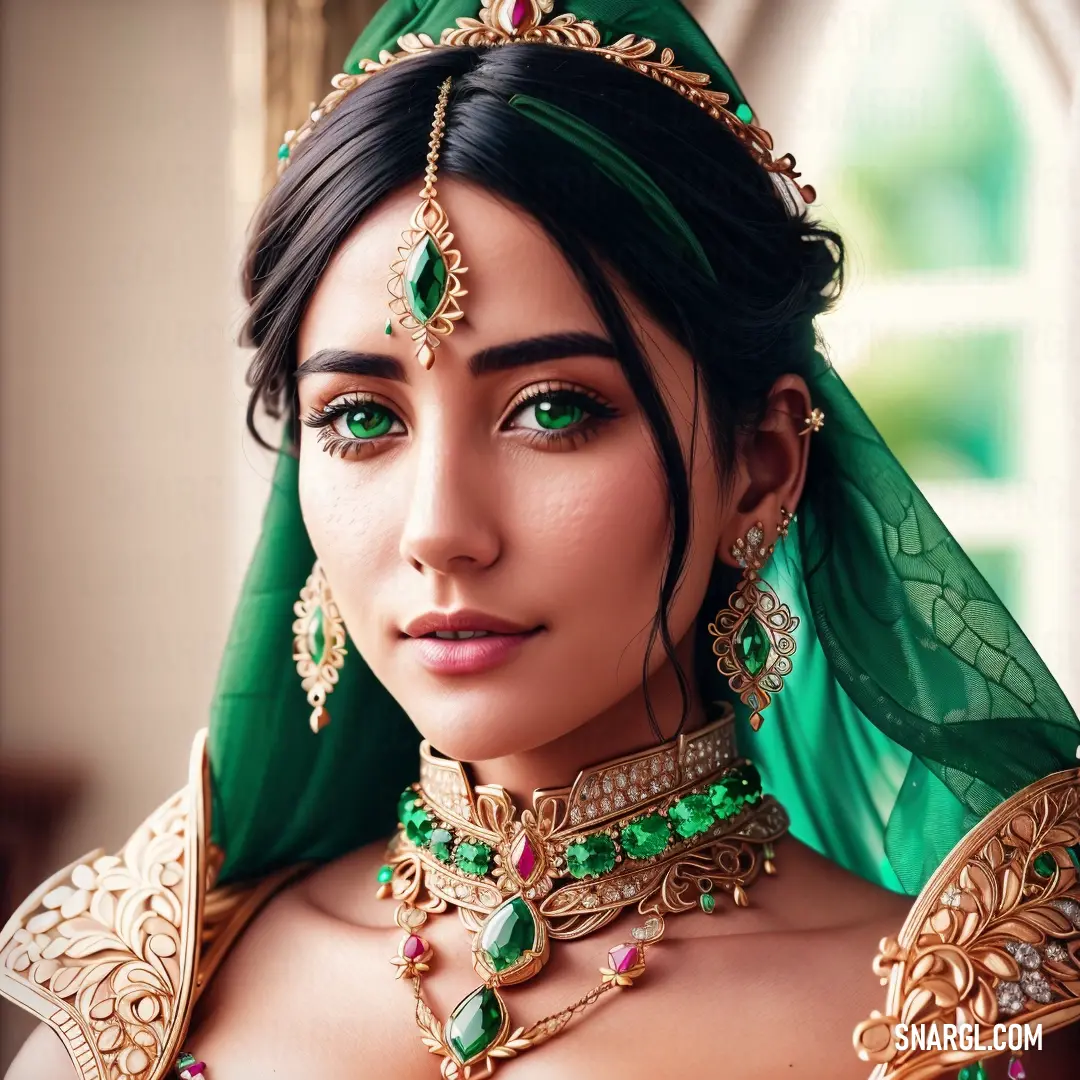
x: 319, y: 644
x: 753, y: 634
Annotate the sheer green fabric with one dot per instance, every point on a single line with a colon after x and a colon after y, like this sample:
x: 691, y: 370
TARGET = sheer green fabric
x: 915, y: 704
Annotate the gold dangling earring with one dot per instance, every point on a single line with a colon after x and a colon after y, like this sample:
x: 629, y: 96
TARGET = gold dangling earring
x: 319, y: 645
x: 753, y: 633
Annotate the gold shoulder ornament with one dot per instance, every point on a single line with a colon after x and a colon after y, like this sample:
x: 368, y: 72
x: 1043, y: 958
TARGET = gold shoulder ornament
x: 993, y: 938
x: 113, y: 951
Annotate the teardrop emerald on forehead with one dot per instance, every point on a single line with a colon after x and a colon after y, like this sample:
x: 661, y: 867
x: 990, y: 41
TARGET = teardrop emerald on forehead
x: 425, y: 280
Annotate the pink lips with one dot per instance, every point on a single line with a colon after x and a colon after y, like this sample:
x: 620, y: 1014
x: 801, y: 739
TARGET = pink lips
x: 465, y: 656
x: 446, y: 656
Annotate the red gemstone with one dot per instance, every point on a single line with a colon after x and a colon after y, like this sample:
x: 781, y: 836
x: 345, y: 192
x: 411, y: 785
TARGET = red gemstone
x: 414, y: 946
x: 622, y: 958
x: 524, y: 857
x: 517, y: 16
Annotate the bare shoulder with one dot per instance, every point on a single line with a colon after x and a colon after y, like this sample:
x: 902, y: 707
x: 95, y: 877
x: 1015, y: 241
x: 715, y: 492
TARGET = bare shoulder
x: 42, y: 1057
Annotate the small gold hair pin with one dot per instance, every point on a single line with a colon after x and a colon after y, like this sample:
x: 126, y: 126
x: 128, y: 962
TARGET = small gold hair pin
x: 814, y: 422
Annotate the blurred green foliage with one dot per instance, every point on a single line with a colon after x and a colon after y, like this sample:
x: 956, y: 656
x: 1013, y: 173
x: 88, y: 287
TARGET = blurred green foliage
x: 942, y: 403
x: 932, y: 153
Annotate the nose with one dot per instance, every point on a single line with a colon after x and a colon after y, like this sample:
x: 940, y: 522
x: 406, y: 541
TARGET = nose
x: 450, y: 526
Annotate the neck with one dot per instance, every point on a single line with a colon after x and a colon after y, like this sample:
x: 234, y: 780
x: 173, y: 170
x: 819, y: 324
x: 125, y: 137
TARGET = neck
x: 622, y: 729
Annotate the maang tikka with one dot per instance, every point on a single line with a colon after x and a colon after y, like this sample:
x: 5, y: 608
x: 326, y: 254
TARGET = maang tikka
x: 319, y: 644
x: 754, y: 641
x: 426, y: 275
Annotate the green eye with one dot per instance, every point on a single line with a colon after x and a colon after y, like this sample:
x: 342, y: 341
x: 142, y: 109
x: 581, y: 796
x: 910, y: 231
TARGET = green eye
x: 554, y: 415
x: 368, y: 421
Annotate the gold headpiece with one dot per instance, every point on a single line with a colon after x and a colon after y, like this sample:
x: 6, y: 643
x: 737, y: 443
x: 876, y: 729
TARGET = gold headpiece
x: 424, y: 279
x: 509, y: 22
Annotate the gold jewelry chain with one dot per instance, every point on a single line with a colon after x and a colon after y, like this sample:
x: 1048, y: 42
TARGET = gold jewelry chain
x: 660, y: 829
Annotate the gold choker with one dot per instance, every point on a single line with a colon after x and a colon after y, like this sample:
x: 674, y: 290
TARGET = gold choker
x: 665, y: 829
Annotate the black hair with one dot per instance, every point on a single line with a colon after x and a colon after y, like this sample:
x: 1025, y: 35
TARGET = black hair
x: 774, y: 269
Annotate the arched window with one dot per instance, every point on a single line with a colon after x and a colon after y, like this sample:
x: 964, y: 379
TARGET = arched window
x: 938, y: 138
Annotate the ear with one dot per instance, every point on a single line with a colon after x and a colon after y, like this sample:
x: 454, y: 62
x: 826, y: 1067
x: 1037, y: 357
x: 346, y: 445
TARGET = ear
x: 771, y: 465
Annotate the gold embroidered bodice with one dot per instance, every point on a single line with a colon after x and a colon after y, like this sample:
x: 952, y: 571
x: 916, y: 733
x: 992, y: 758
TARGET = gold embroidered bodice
x: 113, y: 951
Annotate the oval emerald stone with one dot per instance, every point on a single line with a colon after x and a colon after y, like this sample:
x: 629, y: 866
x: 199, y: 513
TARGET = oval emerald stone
x: 645, y: 836
x: 752, y: 646
x: 474, y: 1024
x: 407, y: 800
x: 386, y: 872
x: 707, y: 902
x: 425, y: 279
x: 692, y: 814
x: 316, y: 640
x: 440, y: 842
x: 473, y: 857
x: 508, y: 934
x: 419, y: 827
x: 593, y: 855
x: 1045, y: 864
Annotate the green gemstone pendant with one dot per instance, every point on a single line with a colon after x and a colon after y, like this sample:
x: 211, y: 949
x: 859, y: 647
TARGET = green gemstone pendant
x: 476, y: 1023
x: 752, y: 646
x: 425, y: 280
x: 512, y: 944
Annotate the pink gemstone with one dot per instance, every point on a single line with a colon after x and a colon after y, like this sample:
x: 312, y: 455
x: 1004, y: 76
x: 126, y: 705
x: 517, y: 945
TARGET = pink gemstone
x: 622, y: 958
x: 414, y: 946
x: 194, y: 1070
x: 1016, y: 1070
x: 517, y: 16
x: 524, y: 857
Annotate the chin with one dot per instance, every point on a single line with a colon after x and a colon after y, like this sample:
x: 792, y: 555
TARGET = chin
x: 478, y: 726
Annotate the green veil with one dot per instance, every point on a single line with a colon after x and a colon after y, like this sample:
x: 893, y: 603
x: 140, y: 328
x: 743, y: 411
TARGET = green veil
x: 916, y: 703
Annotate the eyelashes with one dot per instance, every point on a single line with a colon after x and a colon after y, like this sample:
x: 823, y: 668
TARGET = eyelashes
x: 562, y: 417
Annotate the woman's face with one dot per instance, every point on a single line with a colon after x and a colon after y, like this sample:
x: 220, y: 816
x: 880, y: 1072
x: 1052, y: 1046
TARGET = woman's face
x: 514, y: 486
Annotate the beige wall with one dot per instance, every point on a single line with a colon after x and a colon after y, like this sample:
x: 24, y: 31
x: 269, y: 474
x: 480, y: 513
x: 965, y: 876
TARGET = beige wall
x: 122, y: 477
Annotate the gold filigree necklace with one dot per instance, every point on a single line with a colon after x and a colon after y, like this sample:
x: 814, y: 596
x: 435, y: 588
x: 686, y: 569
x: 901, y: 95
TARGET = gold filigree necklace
x: 664, y: 829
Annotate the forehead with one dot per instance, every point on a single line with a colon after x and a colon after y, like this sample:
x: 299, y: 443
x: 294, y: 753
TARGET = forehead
x: 517, y: 280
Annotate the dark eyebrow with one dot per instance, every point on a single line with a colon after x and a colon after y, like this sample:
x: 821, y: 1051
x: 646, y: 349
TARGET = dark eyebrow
x: 513, y: 354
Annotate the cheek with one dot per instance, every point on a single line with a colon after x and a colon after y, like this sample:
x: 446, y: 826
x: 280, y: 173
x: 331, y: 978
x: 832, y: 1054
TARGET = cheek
x: 349, y: 515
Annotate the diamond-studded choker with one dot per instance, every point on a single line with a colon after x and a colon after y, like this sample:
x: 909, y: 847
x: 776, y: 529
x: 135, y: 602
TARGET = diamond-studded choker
x: 667, y: 829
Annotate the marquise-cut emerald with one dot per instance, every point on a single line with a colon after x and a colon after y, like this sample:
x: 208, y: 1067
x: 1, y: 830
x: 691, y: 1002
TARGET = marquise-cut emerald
x: 474, y: 1024
x: 425, y: 279
x: 508, y: 934
x: 645, y: 836
x: 317, y: 636
x: 752, y: 646
x: 593, y: 855
x: 692, y: 814
x: 1045, y: 864
x: 473, y: 857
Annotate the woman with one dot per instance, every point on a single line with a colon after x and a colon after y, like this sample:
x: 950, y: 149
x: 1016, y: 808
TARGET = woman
x: 552, y: 486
